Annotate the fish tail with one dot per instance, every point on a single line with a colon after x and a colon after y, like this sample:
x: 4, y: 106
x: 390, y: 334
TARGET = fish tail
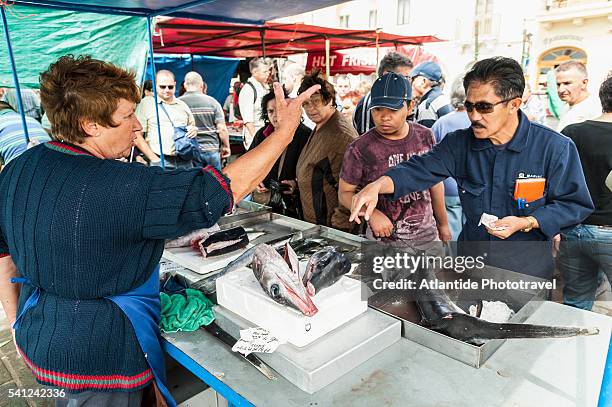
x: 510, y: 331
x: 469, y: 328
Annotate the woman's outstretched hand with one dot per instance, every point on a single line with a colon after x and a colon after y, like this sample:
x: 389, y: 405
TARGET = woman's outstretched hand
x: 289, y: 111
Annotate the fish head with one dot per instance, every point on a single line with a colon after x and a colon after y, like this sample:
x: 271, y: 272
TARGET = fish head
x: 280, y: 282
x: 325, y: 267
x: 317, y: 260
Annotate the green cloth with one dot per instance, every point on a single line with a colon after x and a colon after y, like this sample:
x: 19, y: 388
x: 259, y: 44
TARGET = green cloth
x: 185, y: 312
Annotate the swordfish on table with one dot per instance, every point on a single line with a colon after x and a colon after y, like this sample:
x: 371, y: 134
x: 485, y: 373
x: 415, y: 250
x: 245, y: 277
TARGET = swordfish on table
x: 441, y: 314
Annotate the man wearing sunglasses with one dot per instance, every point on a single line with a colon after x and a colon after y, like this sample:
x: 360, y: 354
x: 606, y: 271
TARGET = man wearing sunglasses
x: 500, y: 150
x: 172, y: 113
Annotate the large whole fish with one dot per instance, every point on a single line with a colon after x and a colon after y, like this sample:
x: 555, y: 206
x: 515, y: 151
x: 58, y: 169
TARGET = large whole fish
x: 325, y: 267
x: 441, y: 314
x: 280, y: 278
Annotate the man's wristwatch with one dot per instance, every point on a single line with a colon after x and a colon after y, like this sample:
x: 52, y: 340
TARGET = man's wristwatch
x: 532, y: 223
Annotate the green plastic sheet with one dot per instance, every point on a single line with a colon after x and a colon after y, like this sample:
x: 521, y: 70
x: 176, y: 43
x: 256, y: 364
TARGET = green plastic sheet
x: 39, y: 36
x: 185, y: 312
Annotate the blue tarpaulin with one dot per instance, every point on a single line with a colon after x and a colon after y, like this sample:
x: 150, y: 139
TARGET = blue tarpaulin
x: 216, y: 71
x: 239, y: 11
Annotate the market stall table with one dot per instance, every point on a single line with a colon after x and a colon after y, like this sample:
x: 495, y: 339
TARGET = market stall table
x: 523, y: 372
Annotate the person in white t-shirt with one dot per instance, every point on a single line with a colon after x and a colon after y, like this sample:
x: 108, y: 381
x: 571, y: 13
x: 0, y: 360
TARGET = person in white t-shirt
x: 249, y: 99
x: 572, y: 80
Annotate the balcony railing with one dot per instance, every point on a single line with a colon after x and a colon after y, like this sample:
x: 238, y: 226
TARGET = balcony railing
x: 560, y: 4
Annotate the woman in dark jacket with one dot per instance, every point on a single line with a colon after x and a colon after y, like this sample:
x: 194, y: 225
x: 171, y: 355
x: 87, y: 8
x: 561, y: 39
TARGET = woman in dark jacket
x: 278, y: 189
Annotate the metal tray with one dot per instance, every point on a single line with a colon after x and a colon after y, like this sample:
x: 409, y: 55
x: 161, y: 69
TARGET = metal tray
x: 243, y: 210
x: 524, y: 303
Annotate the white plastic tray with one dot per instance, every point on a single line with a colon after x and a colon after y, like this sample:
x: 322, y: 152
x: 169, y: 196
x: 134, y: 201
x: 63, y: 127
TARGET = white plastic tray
x: 241, y: 293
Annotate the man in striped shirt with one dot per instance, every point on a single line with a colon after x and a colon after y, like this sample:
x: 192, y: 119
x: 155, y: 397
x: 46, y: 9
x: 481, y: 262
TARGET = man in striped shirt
x: 213, y: 136
x: 30, y: 99
x: 12, y: 138
x: 426, y: 78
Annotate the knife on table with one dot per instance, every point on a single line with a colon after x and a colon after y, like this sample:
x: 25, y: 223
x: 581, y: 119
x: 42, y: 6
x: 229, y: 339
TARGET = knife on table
x: 229, y: 340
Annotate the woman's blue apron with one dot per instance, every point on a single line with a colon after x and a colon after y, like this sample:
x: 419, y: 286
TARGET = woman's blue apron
x: 142, y: 308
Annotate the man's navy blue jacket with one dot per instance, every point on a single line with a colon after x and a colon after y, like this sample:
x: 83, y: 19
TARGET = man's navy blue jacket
x: 486, y: 176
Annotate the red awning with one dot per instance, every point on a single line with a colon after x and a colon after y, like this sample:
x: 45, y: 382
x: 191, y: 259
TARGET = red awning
x: 186, y: 36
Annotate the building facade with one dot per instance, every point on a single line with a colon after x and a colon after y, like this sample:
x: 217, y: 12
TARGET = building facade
x: 572, y: 29
x: 539, y: 34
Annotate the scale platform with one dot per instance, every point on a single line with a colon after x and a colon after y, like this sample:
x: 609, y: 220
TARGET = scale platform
x: 313, y: 367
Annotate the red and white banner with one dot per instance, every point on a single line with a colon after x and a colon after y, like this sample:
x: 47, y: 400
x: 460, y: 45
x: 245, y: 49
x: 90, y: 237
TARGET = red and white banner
x: 363, y: 60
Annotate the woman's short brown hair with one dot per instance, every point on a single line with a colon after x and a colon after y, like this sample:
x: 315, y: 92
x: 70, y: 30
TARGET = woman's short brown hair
x: 74, y: 90
x: 327, y: 90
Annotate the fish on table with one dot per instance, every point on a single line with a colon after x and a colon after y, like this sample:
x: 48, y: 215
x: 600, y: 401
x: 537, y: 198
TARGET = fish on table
x: 208, y: 285
x: 324, y: 268
x: 189, y: 239
x: 308, y: 246
x: 280, y: 278
x: 223, y: 241
x: 441, y: 314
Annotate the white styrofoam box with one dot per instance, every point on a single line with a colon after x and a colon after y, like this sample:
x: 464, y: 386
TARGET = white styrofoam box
x: 241, y: 293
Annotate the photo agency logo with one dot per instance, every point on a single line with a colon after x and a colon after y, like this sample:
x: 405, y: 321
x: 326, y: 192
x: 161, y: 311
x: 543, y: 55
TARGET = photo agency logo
x: 473, y: 273
x: 411, y: 262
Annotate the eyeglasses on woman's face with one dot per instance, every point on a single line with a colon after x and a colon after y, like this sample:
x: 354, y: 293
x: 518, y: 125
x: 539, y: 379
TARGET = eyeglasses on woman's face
x: 314, y: 102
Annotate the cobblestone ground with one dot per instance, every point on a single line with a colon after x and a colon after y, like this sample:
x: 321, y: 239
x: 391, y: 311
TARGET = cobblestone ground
x: 14, y: 374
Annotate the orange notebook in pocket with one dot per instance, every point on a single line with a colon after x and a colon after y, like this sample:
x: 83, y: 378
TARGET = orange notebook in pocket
x: 529, y: 189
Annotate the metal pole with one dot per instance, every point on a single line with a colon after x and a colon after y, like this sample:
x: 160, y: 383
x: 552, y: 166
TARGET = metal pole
x: 476, y: 50
x: 15, y: 78
x: 262, y: 34
x: 327, y: 45
x: 605, y: 394
x: 523, y: 58
x: 377, y: 46
x: 154, y: 82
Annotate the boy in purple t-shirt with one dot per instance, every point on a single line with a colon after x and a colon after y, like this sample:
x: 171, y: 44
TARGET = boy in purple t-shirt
x: 392, y: 141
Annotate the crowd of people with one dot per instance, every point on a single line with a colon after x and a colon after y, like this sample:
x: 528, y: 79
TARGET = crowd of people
x: 410, y: 160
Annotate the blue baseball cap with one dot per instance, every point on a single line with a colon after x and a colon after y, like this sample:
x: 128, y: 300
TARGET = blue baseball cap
x: 429, y: 70
x: 391, y: 91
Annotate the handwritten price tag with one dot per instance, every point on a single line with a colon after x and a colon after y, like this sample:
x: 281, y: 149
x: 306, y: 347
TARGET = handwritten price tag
x: 258, y: 340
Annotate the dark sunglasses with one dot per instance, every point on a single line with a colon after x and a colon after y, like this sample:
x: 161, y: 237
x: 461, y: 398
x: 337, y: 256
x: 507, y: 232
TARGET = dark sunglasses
x: 166, y: 86
x: 483, y: 107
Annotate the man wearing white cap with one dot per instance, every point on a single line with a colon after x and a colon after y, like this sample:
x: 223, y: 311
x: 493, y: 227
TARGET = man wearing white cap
x: 394, y: 140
